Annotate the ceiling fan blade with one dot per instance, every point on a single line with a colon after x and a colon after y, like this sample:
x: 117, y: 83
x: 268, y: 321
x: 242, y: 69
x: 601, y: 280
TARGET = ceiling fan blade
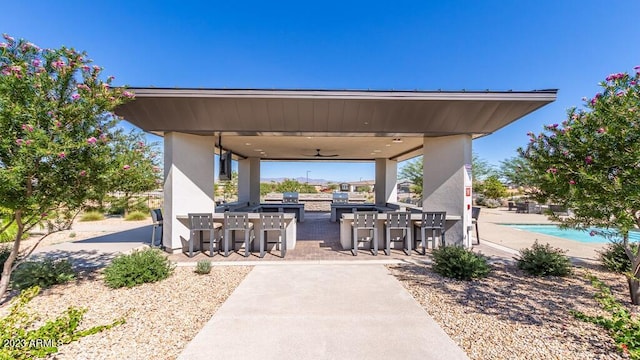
x: 317, y: 154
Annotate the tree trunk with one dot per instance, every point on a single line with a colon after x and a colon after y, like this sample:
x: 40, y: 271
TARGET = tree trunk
x: 6, y: 270
x: 634, y: 290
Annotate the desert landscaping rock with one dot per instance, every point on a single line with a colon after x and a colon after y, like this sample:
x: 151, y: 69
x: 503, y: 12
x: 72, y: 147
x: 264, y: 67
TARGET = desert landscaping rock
x: 510, y: 315
x: 161, y: 318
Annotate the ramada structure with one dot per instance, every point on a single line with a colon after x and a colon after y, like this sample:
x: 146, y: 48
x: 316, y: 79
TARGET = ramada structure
x: 384, y: 127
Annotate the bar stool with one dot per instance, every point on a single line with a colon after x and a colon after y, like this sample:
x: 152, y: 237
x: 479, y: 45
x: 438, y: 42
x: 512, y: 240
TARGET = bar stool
x: 434, y: 221
x: 201, y: 222
x: 156, y: 217
x: 273, y: 222
x: 400, y: 220
x: 237, y: 222
x: 364, y: 220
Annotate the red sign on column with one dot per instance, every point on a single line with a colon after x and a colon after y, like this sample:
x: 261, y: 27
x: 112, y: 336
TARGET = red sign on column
x: 468, y: 191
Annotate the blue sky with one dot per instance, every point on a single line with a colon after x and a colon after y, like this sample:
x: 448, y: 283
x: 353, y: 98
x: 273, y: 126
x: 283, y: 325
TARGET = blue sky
x: 426, y: 45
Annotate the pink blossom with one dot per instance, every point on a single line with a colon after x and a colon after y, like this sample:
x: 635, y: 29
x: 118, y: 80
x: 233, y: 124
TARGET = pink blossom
x: 83, y: 173
x: 62, y: 155
x: 3, y: 45
x: 103, y: 137
x: 16, y: 69
x: 58, y: 124
x: 588, y: 159
x: 552, y: 170
x: 127, y: 94
x: 58, y: 64
x: 601, y: 131
x: 83, y: 87
x: 140, y: 144
x: 36, y: 62
x: 96, y: 68
x: 92, y: 140
x: 44, y: 215
x: 105, y: 85
x: 8, y: 38
x: 620, y: 93
x: 6, y: 71
x: 126, y: 167
x: 27, y: 127
x: 111, y: 78
x: 156, y: 169
x: 636, y: 67
x: 75, y: 96
x: 632, y: 82
x: 85, y: 68
x: 572, y: 182
x: 593, y: 233
x: 19, y: 141
x: 28, y: 142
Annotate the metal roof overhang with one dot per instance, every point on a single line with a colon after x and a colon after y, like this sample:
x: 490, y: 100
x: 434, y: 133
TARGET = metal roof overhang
x: 354, y: 125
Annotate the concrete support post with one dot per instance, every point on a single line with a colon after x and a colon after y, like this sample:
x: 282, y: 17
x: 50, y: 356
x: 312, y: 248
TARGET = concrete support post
x: 189, y: 183
x: 386, y: 188
x: 249, y: 181
x: 447, y: 182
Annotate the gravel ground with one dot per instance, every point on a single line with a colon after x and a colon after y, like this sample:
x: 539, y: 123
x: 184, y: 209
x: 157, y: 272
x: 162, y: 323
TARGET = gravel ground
x: 513, y: 316
x: 161, y: 318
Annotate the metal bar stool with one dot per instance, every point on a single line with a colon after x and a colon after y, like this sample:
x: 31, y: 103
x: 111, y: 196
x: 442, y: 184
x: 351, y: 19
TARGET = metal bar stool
x: 434, y: 221
x: 273, y: 222
x: 364, y: 220
x: 234, y: 222
x: 201, y: 222
x: 156, y: 217
x: 475, y: 214
x: 400, y: 220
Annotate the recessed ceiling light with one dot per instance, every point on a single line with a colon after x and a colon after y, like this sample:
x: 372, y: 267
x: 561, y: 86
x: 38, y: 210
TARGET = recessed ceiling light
x: 309, y: 137
x: 248, y: 144
x: 366, y: 123
x: 377, y: 151
x: 258, y: 150
x: 397, y: 140
x: 373, y: 153
x: 388, y: 145
x: 263, y: 153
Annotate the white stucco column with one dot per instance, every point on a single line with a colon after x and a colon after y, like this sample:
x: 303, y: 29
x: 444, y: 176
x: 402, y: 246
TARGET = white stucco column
x: 386, y: 188
x: 447, y: 184
x: 249, y: 180
x: 188, y: 185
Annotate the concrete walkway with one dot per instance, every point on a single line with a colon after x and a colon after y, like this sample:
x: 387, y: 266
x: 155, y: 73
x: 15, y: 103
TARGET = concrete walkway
x: 345, y: 311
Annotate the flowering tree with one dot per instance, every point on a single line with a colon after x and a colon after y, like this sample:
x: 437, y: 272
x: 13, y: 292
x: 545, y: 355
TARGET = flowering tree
x: 55, y: 127
x: 134, y: 168
x: 591, y: 164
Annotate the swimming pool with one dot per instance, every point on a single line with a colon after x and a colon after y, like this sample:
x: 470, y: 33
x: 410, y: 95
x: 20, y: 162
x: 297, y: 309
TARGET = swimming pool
x: 571, y: 234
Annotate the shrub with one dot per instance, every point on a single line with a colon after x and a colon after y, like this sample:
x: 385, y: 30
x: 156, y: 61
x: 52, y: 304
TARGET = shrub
x: 544, y: 260
x: 622, y: 327
x: 203, y: 267
x: 613, y: 257
x: 459, y: 263
x: 135, y: 216
x: 21, y: 340
x: 492, y: 203
x: 92, y: 216
x: 44, y: 273
x: 139, y: 267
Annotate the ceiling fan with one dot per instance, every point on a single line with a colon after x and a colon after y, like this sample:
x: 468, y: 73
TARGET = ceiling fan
x: 317, y: 154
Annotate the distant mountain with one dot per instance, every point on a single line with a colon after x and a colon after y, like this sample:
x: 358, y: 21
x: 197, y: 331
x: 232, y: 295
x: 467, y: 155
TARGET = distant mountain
x: 300, y: 179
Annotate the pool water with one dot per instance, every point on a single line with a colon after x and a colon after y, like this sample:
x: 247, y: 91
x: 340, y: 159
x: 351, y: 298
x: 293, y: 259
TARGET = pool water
x: 573, y: 234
